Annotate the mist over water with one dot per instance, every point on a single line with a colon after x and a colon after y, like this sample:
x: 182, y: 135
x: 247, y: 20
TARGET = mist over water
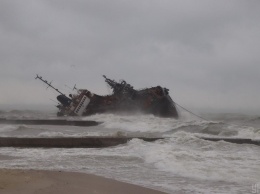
x: 181, y: 162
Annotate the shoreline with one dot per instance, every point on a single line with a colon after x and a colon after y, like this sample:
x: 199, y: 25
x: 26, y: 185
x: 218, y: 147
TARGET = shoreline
x: 18, y: 181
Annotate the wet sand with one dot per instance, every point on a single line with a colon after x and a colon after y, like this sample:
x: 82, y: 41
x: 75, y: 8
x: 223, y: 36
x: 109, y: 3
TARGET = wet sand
x: 53, y: 182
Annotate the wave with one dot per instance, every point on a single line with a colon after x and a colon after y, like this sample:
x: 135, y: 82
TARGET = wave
x: 254, y: 119
x: 187, y: 156
x: 144, y: 125
x: 20, y: 131
x: 22, y: 128
x: 7, y: 128
x: 51, y: 134
x: 26, y: 114
x: 167, y: 127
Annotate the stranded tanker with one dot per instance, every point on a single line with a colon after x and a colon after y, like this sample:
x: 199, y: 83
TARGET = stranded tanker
x: 124, y: 99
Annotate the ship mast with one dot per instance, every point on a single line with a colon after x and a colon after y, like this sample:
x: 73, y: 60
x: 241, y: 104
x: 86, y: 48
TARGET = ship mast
x: 48, y: 83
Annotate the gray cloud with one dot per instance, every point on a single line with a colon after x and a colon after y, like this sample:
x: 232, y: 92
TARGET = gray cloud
x: 205, y: 52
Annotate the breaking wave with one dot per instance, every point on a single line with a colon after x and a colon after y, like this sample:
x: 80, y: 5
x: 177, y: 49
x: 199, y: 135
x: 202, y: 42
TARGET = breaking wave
x: 167, y: 127
x: 181, y: 158
x: 184, y: 155
x: 139, y: 124
x: 7, y: 128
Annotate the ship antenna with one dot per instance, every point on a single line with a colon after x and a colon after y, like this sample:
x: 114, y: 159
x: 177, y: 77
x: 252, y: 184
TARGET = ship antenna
x: 74, y: 88
x: 48, y: 83
x: 68, y: 87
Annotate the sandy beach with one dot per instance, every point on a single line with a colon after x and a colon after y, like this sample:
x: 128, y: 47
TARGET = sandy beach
x: 53, y: 182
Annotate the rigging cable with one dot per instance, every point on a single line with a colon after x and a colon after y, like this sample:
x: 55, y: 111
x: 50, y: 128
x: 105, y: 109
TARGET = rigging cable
x: 190, y: 112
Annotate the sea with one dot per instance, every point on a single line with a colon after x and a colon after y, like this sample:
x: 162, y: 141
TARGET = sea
x: 181, y: 162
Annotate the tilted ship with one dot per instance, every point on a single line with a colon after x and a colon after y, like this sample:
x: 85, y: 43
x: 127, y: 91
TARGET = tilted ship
x: 124, y: 99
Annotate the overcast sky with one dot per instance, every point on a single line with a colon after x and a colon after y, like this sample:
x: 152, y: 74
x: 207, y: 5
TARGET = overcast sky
x: 207, y: 52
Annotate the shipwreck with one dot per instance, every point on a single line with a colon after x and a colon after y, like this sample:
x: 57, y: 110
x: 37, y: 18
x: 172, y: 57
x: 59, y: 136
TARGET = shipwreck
x: 124, y: 99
